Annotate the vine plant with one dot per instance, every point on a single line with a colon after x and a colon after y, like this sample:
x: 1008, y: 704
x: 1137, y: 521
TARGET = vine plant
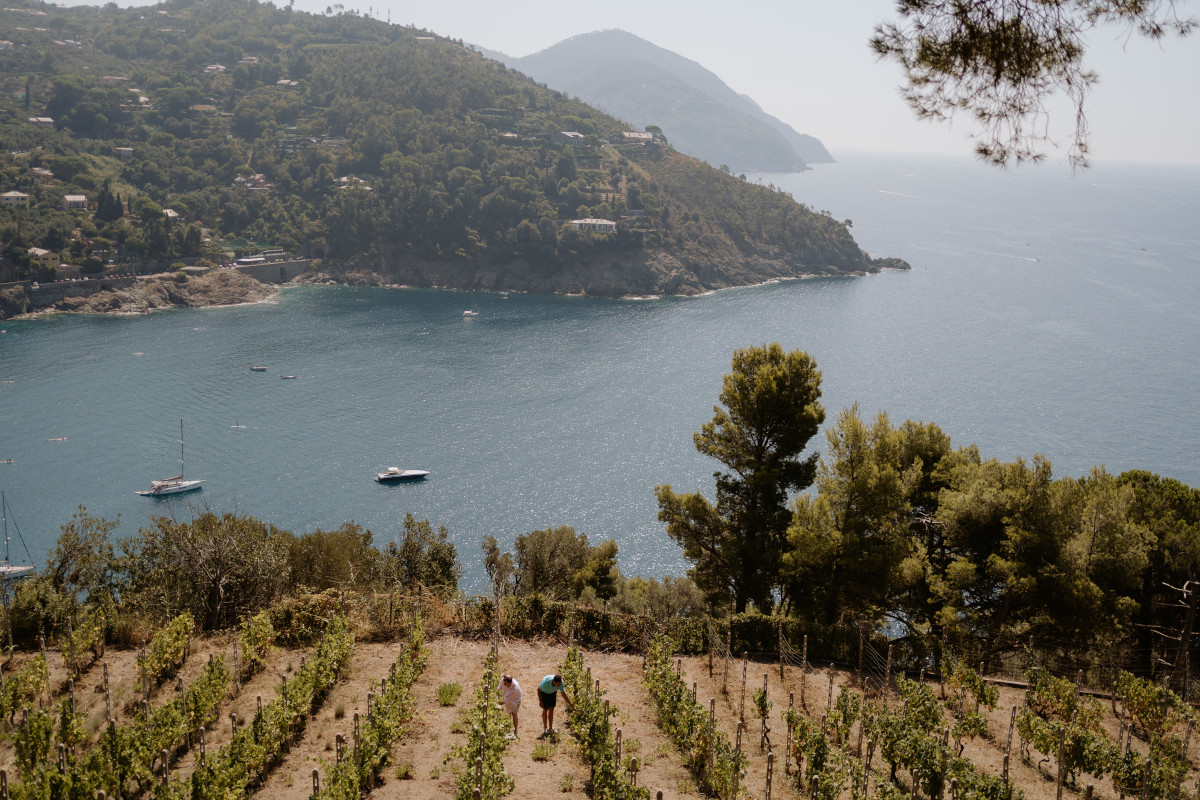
x: 718, y: 767
x: 591, y: 727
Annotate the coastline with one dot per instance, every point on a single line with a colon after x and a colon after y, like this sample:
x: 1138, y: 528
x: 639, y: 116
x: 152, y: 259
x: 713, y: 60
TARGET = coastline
x: 221, y: 288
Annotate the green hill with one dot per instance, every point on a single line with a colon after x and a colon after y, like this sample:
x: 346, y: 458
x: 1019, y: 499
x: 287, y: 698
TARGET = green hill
x: 366, y: 145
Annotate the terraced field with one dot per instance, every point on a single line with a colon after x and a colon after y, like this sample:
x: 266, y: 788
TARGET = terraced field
x: 422, y: 766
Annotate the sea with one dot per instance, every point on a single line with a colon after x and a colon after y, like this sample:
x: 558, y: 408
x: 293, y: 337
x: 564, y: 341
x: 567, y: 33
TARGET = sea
x: 1047, y: 312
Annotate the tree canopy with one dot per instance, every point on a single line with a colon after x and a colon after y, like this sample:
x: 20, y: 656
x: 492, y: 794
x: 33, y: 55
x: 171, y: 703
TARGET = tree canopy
x: 769, y: 411
x: 1002, y: 62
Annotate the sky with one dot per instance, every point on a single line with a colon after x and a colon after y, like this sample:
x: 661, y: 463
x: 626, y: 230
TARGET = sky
x: 808, y: 63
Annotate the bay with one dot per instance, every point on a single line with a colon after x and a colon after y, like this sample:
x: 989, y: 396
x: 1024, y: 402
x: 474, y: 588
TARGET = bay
x: 1046, y: 313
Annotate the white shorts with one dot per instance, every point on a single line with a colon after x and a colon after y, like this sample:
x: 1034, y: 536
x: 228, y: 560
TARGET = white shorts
x: 511, y: 708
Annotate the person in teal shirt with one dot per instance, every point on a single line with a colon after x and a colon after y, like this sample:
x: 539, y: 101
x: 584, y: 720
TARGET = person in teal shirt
x: 548, y: 691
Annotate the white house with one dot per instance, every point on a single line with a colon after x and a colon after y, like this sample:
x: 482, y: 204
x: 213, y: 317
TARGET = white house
x: 597, y: 225
x: 15, y: 199
x: 74, y: 202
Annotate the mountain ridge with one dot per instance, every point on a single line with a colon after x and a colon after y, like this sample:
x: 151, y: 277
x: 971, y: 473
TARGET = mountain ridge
x: 699, y: 113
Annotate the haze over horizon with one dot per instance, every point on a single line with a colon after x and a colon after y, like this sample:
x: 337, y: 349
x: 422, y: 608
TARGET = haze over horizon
x: 810, y: 65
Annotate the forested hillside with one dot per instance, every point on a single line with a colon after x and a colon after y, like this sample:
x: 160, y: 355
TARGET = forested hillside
x: 199, y: 130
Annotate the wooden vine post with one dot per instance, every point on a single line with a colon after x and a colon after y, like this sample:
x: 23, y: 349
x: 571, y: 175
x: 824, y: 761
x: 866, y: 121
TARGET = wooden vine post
x: 745, y: 665
x: 770, y: 772
x: 781, y: 677
x: 887, y: 677
x: 1058, y: 787
x: 804, y: 672
x: 763, y: 742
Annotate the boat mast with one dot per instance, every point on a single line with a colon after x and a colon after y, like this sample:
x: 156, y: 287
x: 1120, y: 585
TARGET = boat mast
x: 181, y: 465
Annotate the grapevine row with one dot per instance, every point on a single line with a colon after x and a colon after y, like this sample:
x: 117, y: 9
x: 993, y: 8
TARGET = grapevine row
x: 167, y: 650
x: 483, y: 752
x: 228, y: 773
x: 387, y: 719
x: 590, y: 725
x: 718, y: 767
x: 19, y: 690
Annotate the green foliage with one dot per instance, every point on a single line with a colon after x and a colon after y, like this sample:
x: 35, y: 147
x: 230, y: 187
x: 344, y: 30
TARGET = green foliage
x: 167, y: 649
x: 84, y: 641
x: 123, y: 762
x: 486, y: 729
x: 1154, y: 708
x: 385, y: 723
x: 425, y: 558
x: 25, y: 686
x: 591, y: 727
x: 448, y: 693
x: 769, y: 411
x: 706, y: 750
x: 227, y: 774
x: 1054, y: 711
x: 254, y: 642
x: 340, y: 558
x: 218, y: 568
x: 449, y: 159
x: 967, y: 682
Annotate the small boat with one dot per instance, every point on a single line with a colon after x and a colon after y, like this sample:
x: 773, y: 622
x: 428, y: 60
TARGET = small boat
x: 397, y: 475
x: 6, y: 461
x: 258, y: 369
x: 58, y: 439
x: 8, y: 570
x: 470, y: 313
x: 177, y: 484
x: 235, y: 425
x: 287, y: 377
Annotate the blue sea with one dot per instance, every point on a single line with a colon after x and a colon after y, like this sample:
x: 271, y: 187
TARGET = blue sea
x: 1046, y: 313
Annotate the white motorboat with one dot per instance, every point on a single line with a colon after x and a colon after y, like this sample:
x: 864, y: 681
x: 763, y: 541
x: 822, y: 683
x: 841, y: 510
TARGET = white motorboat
x: 397, y: 475
x: 470, y: 313
x: 177, y: 484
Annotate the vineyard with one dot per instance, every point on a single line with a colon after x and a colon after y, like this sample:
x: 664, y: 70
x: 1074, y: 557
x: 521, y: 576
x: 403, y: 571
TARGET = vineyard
x: 240, y: 715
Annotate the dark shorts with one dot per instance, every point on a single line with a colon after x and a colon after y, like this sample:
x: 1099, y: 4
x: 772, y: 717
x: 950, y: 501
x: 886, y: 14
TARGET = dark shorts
x: 547, y: 700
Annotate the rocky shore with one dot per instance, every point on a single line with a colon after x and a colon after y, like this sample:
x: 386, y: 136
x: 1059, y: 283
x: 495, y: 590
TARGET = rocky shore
x: 640, y: 274
x: 217, y: 287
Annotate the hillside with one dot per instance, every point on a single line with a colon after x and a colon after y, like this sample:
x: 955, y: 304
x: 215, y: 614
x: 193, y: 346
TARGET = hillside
x: 194, y: 133
x: 635, y: 80
x: 422, y: 762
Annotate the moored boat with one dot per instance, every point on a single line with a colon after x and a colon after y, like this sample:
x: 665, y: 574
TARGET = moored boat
x: 397, y: 475
x: 177, y: 484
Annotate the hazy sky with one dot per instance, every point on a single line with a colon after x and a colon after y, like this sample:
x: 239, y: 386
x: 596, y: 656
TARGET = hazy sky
x: 808, y: 63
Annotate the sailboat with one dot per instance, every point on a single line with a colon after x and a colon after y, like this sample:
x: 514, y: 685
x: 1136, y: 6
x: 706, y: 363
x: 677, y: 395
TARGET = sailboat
x: 174, y: 485
x: 8, y: 570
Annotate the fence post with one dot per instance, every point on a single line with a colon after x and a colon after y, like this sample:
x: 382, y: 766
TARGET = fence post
x: 770, y: 771
x: 1058, y: 789
x: 781, y: 678
x: 887, y: 677
x: 745, y: 664
x: 861, y: 637
x: 316, y: 776
x: 804, y: 672
x: 829, y: 699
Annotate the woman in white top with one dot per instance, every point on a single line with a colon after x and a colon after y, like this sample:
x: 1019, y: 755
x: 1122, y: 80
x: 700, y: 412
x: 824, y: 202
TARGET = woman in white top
x: 510, y: 692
